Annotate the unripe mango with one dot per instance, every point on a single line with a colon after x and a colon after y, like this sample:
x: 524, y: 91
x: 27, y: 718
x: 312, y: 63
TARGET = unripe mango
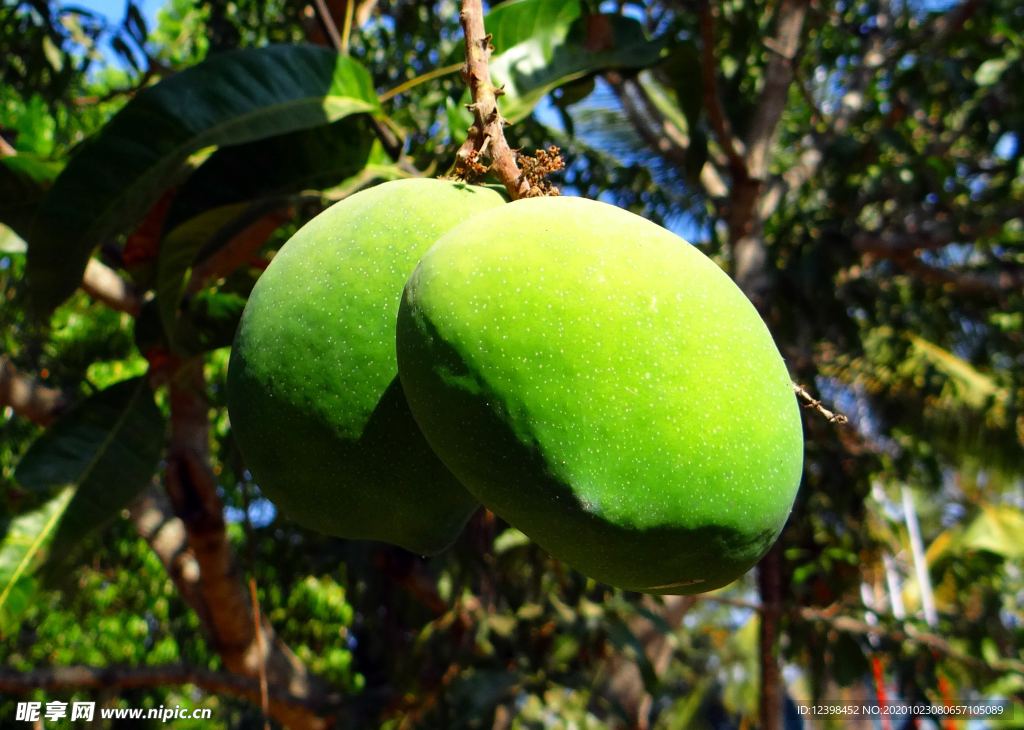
x: 315, y: 402
x: 604, y: 387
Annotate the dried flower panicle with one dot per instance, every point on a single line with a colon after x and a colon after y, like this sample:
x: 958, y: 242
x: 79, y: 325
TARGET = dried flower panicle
x: 536, y: 169
x: 467, y: 168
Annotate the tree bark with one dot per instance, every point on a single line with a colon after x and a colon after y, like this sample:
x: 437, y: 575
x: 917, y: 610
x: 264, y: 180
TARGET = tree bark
x: 104, y: 285
x: 769, y: 581
x: 192, y: 487
x: 28, y: 398
x: 153, y: 516
x: 746, y: 227
x: 487, y: 135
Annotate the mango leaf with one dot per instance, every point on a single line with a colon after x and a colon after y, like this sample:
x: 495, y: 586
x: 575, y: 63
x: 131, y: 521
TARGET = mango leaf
x: 972, y: 386
x: 998, y: 529
x: 106, y: 449
x: 22, y: 544
x: 374, y: 172
x: 682, y: 71
x: 209, y: 322
x: 24, y: 182
x: 686, y: 121
x: 623, y: 639
x: 512, y: 23
x: 232, y: 98
x: 195, y: 239
x: 309, y: 159
x: 539, y: 64
x: 540, y: 45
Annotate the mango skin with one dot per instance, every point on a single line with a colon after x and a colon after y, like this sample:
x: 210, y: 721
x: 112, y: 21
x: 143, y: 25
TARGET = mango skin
x: 314, y: 398
x: 604, y: 387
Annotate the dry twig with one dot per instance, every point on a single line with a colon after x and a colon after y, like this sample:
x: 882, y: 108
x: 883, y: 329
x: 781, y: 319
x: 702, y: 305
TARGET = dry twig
x: 812, y: 402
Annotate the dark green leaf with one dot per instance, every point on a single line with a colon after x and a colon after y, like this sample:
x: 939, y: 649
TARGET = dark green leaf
x: 24, y: 181
x: 849, y: 664
x: 208, y: 322
x: 182, y: 247
x: 149, y: 331
x: 623, y: 639
x: 106, y: 448
x: 682, y: 71
x: 232, y: 98
x: 309, y: 159
x: 135, y: 24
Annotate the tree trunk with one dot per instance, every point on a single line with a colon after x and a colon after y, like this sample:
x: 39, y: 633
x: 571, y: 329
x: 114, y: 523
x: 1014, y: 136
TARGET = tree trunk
x: 769, y: 580
x: 192, y: 487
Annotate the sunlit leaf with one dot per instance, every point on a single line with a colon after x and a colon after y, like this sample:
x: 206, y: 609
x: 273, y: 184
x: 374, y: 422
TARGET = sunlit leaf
x: 105, y: 449
x: 232, y: 98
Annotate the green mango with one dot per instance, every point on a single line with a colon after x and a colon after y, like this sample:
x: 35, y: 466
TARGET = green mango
x: 316, y: 406
x: 605, y: 388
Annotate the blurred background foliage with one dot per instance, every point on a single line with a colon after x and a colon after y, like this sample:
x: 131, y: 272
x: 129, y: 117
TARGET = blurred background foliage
x: 890, y: 222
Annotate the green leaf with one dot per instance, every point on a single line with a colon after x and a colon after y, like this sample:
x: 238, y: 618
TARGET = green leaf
x: 537, y: 65
x: 106, y: 449
x: 209, y: 322
x: 973, y: 387
x: 24, y: 182
x: 849, y: 665
x: 682, y: 70
x: 623, y: 639
x: 309, y: 159
x: 998, y: 529
x: 545, y: 21
x: 460, y: 119
x: 180, y: 248
x: 540, y: 45
x: 21, y: 550
x: 233, y: 98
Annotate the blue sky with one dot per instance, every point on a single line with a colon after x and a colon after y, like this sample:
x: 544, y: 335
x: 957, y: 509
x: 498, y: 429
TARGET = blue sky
x: 114, y: 9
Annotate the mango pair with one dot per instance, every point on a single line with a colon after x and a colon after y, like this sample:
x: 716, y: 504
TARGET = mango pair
x: 424, y: 346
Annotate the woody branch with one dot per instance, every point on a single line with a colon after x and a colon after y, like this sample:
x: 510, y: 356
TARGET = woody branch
x: 487, y: 135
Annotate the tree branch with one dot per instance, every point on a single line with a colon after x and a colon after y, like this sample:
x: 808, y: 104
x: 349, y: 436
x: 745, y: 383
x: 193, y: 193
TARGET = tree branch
x: 791, y: 179
x: 897, y: 631
x: 746, y: 230
x: 487, y: 135
x: 330, y: 28
x: 105, y: 285
x: 192, y: 487
x: 625, y: 684
x: 770, y: 587
x: 936, y: 31
x: 719, y: 122
x: 812, y: 402
x: 238, y: 250
x: 908, y: 632
x: 977, y: 282
x: 778, y: 77
x: 28, y: 398
x: 222, y: 683
x: 153, y: 516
